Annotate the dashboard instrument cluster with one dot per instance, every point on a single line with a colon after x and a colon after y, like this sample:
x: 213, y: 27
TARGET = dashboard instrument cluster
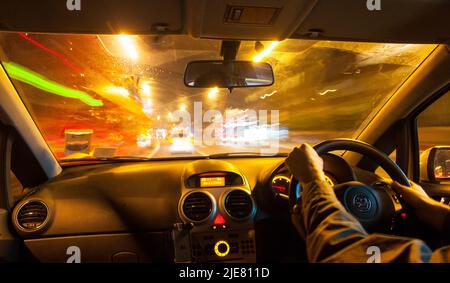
x: 282, y: 183
x: 336, y: 169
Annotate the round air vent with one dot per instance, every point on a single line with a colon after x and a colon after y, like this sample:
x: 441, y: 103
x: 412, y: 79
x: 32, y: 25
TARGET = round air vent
x: 32, y: 216
x: 238, y: 204
x: 197, y: 206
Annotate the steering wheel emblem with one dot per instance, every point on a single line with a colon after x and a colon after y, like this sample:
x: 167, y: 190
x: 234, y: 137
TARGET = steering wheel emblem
x: 361, y: 202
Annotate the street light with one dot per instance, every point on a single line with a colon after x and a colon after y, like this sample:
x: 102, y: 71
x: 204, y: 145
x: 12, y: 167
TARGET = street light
x: 120, y: 91
x: 212, y: 93
x: 145, y: 89
x: 147, y: 106
x: 128, y: 45
x: 265, y: 52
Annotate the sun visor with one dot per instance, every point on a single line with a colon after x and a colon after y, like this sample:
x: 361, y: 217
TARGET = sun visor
x: 87, y: 16
x: 403, y: 21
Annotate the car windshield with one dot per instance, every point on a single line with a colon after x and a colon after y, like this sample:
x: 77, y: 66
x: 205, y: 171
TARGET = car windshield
x: 124, y: 96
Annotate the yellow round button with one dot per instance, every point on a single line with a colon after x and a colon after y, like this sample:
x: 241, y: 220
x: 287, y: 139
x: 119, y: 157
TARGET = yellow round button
x: 221, y: 248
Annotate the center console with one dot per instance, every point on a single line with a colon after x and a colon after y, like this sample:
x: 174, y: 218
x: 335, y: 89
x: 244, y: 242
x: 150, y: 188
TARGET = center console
x: 217, y: 211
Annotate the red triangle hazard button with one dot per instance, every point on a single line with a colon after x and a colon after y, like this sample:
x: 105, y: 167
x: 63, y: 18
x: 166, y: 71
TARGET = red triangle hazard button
x: 219, y: 220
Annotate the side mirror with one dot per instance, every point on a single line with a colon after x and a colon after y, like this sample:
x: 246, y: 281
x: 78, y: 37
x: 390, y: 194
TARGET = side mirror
x: 435, y: 164
x: 228, y: 74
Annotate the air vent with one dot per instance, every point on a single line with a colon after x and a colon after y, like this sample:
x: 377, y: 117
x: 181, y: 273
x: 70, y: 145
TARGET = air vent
x: 238, y: 204
x: 32, y: 216
x: 197, y: 206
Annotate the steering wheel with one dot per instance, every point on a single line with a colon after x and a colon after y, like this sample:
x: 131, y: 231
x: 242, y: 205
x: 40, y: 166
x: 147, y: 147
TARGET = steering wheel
x: 377, y: 207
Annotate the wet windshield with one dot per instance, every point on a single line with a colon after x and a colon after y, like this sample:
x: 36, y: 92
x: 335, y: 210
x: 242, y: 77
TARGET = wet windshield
x: 121, y: 95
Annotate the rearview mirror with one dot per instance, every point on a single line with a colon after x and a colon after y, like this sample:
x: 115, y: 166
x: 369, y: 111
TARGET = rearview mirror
x: 435, y: 164
x: 228, y: 74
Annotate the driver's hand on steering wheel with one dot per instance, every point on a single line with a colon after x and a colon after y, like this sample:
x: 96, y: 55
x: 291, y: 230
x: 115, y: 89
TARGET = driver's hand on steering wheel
x: 427, y: 209
x: 305, y: 164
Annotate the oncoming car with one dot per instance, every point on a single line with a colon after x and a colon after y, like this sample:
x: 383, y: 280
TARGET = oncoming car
x: 157, y: 131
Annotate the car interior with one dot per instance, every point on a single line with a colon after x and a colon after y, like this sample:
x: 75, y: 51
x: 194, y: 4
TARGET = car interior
x: 156, y: 131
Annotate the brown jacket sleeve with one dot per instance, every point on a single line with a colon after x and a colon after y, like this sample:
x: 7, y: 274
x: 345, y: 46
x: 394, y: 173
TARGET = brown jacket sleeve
x: 334, y: 235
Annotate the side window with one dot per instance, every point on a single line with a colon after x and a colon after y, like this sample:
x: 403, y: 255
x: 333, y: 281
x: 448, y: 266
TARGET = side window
x: 433, y: 128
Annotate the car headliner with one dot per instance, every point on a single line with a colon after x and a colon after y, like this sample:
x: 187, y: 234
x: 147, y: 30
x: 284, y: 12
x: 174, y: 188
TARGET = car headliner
x: 412, y: 21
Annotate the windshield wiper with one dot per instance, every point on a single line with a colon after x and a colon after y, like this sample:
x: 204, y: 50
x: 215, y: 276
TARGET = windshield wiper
x: 244, y: 154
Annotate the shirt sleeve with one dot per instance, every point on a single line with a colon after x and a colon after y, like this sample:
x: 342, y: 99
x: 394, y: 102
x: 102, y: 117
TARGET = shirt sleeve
x: 334, y: 235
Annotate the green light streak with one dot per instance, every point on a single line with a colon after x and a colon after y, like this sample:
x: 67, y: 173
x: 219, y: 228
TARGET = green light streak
x: 27, y: 76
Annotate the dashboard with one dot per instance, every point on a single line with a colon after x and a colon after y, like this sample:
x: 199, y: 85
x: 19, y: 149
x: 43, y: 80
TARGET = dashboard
x: 205, y: 210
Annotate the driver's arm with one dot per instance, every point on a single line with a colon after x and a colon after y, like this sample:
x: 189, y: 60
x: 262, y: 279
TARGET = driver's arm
x: 427, y: 209
x: 331, y: 233
x: 326, y: 226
